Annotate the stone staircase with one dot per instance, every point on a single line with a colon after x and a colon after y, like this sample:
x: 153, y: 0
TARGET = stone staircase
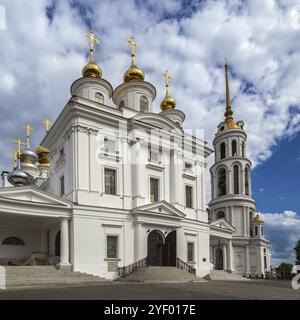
x: 161, y: 274
x: 40, y: 276
x: 225, y: 275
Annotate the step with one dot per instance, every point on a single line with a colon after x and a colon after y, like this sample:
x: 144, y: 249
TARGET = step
x: 225, y: 275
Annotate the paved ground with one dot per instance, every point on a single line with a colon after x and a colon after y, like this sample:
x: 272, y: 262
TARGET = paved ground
x: 211, y: 290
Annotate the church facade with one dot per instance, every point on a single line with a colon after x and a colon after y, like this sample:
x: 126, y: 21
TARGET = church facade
x: 113, y: 183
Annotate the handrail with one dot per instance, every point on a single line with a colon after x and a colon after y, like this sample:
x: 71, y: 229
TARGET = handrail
x: 184, y: 266
x: 136, y: 266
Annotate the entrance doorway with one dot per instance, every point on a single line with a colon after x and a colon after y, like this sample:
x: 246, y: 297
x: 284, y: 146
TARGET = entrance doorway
x: 161, y: 250
x: 219, y: 259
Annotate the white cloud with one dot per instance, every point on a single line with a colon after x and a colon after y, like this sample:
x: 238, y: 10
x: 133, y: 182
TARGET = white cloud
x: 283, y: 231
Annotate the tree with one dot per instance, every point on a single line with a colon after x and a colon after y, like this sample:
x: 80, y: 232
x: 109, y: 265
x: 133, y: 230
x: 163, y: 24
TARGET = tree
x: 297, y: 252
x: 285, y: 268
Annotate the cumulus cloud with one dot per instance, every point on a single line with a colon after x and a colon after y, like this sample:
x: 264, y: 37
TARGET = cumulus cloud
x: 283, y: 231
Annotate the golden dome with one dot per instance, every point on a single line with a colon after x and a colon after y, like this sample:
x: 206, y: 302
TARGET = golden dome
x: 91, y: 70
x: 168, y: 103
x: 43, y: 154
x: 258, y: 218
x: 134, y: 73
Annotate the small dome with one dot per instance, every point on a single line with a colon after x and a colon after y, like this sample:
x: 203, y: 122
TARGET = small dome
x: 133, y: 73
x: 43, y: 154
x: 91, y: 70
x: 28, y: 156
x: 19, y: 178
x: 258, y: 218
x: 168, y: 103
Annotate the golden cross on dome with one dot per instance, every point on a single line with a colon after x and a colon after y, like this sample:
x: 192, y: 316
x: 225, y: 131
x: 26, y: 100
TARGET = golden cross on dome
x: 132, y: 44
x: 167, y: 77
x: 47, y: 123
x: 93, y: 41
x: 19, y: 142
x: 28, y: 130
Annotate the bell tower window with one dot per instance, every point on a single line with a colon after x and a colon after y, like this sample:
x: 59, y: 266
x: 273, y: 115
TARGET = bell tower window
x: 222, y: 150
x: 247, y: 181
x: 234, y: 148
x: 144, y: 104
x: 222, y: 182
x: 236, y: 179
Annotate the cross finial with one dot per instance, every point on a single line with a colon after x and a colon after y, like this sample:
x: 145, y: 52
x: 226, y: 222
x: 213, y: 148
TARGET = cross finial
x: 28, y: 129
x: 15, y: 158
x: 47, y: 124
x: 132, y: 44
x: 19, y: 142
x: 93, y: 41
x: 167, y: 77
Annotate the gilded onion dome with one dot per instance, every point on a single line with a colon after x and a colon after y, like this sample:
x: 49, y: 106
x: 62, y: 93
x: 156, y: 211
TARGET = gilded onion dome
x: 133, y: 73
x: 42, y: 154
x: 92, y: 69
x: 231, y: 124
x: 258, y: 218
x: 168, y: 103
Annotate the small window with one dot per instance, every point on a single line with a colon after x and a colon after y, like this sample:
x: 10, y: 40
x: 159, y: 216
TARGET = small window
x: 110, y: 181
x: 121, y: 104
x: 188, y: 166
x: 190, y: 249
x: 154, y: 189
x: 112, y: 247
x: 99, y: 97
x: 189, y: 196
x: 154, y: 153
x: 247, y: 181
x: 234, y: 148
x: 61, y: 153
x: 222, y: 182
x: 222, y: 150
x: 220, y: 215
x: 13, y: 241
x: 243, y: 149
x: 62, y: 185
x: 236, y: 179
x: 262, y: 230
x: 144, y: 104
x: 256, y: 230
x: 265, y: 262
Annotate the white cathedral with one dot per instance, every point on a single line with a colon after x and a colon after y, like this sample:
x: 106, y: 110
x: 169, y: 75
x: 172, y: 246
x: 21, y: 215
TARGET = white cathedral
x: 114, y: 184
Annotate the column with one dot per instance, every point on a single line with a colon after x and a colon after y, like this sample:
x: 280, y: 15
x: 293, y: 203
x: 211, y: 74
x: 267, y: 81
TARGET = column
x: 138, y: 174
x: 138, y: 242
x: 181, y: 249
x: 230, y: 181
x: 244, y: 221
x: 243, y: 181
x: 64, y: 242
x: 230, y: 258
x: 225, y: 253
x: 247, y: 260
x: 231, y: 216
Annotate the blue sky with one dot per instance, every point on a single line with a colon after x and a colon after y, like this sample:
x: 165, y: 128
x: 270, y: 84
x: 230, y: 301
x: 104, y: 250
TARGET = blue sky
x: 44, y: 51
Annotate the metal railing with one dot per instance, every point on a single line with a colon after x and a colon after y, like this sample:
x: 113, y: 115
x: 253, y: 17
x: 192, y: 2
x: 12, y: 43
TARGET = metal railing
x: 184, y: 266
x: 136, y: 266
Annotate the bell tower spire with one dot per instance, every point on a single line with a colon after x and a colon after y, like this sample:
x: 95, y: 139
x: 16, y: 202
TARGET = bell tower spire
x: 231, y: 124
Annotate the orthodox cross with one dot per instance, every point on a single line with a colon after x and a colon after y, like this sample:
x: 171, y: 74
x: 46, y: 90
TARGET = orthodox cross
x: 93, y: 41
x: 18, y: 142
x: 28, y: 130
x: 47, y: 123
x: 167, y: 77
x: 132, y: 44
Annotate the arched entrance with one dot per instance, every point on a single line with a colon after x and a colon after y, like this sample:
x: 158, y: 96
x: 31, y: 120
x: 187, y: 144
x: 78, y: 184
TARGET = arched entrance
x: 161, y: 250
x: 219, y: 259
x: 57, y: 244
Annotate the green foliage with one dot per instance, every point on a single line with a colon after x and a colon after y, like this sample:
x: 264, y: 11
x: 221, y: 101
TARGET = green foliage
x: 285, y: 268
x: 297, y: 252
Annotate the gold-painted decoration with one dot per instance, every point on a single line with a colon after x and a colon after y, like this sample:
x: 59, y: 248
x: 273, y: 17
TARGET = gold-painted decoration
x: 92, y: 69
x: 258, y: 218
x: 43, y: 154
x: 133, y: 73
x: 19, y: 143
x: 168, y: 103
x: 28, y: 130
x: 47, y: 124
x: 231, y: 124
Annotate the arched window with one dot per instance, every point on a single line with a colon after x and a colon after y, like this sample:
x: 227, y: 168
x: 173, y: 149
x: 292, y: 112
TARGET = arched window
x: 222, y: 150
x: 243, y: 149
x: 247, y: 181
x: 234, y: 148
x: 220, y: 215
x: 144, y: 104
x: 121, y: 104
x: 236, y: 179
x: 99, y: 97
x: 14, y: 241
x: 222, y: 182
